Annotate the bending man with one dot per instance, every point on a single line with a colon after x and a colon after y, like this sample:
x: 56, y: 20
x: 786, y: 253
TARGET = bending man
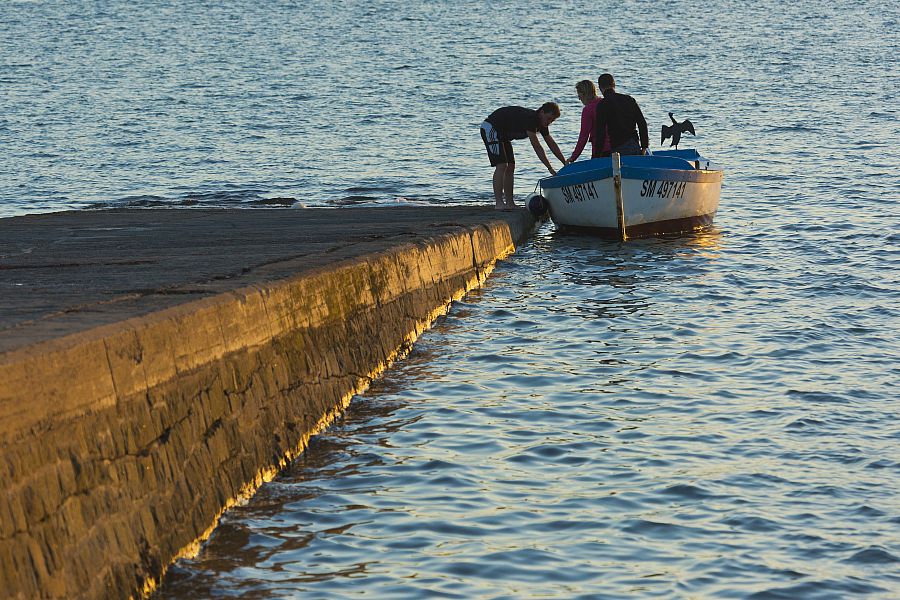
x: 516, y: 123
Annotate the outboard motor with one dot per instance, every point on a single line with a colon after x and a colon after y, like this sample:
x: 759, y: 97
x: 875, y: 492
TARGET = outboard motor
x: 537, y: 205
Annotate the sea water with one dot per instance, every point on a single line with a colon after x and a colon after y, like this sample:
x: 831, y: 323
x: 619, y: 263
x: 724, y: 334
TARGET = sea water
x: 688, y: 417
x: 707, y: 415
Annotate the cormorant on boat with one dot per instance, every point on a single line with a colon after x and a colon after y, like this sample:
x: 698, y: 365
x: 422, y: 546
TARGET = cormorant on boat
x: 675, y: 130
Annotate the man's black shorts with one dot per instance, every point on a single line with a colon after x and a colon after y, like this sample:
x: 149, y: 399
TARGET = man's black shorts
x: 499, y: 151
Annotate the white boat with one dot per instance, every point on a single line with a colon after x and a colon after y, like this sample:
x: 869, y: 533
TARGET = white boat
x: 669, y: 191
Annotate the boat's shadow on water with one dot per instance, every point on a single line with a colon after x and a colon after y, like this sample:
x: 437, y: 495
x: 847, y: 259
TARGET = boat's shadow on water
x: 638, y: 253
x: 709, y: 238
x: 609, y: 278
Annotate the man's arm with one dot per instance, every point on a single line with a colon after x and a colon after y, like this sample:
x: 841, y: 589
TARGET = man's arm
x: 539, y: 150
x: 554, y: 147
x: 642, y: 127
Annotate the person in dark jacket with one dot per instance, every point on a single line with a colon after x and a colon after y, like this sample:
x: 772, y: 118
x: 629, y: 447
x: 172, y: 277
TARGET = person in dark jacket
x: 620, y: 116
x: 517, y: 123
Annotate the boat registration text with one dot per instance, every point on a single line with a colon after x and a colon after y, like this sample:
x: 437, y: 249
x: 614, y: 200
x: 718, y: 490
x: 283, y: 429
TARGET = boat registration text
x: 663, y: 189
x: 579, y: 192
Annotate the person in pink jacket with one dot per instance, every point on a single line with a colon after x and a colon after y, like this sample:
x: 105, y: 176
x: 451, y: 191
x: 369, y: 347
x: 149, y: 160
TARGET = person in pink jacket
x: 587, y: 93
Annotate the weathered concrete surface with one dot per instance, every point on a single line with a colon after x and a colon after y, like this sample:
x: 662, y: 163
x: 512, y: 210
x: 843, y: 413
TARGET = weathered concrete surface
x: 156, y: 365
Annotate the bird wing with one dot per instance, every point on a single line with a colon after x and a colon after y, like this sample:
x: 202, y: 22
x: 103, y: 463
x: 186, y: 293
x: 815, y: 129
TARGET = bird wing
x: 665, y: 133
x: 687, y: 126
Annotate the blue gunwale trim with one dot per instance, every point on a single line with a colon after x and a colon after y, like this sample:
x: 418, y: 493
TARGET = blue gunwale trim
x: 660, y: 167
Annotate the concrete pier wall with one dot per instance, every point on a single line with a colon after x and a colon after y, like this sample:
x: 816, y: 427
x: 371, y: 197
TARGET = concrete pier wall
x: 122, y: 444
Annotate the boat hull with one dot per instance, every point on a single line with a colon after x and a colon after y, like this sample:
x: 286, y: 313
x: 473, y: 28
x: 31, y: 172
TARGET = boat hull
x: 658, y: 196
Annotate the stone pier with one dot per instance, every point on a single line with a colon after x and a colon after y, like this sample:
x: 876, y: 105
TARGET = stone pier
x: 156, y: 366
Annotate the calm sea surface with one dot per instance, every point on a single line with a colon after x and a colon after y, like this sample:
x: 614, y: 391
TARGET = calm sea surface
x: 712, y: 415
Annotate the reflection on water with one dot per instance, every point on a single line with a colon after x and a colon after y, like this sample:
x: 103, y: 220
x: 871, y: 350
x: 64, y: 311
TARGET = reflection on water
x: 601, y: 420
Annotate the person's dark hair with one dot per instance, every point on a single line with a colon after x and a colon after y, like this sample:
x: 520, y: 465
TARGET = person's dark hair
x: 606, y: 81
x: 550, y: 107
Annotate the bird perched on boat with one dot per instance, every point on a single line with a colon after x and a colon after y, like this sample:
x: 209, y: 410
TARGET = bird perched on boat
x: 675, y: 130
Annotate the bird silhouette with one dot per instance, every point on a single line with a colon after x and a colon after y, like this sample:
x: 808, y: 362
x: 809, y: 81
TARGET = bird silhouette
x: 675, y: 130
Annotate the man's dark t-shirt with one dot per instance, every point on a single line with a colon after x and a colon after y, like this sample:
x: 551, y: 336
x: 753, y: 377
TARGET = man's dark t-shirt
x: 512, y: 122
x: 619, y: 114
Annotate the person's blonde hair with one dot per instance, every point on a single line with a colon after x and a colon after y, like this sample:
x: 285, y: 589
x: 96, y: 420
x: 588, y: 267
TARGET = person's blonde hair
x: 586, y: 88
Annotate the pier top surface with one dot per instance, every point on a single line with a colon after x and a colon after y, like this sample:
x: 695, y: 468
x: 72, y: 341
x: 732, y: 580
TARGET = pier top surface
x: 61, y: 273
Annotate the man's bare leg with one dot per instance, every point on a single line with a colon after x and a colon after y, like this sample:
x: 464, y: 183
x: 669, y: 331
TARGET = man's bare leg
x: 499, y: 177
x: 508, y: 185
